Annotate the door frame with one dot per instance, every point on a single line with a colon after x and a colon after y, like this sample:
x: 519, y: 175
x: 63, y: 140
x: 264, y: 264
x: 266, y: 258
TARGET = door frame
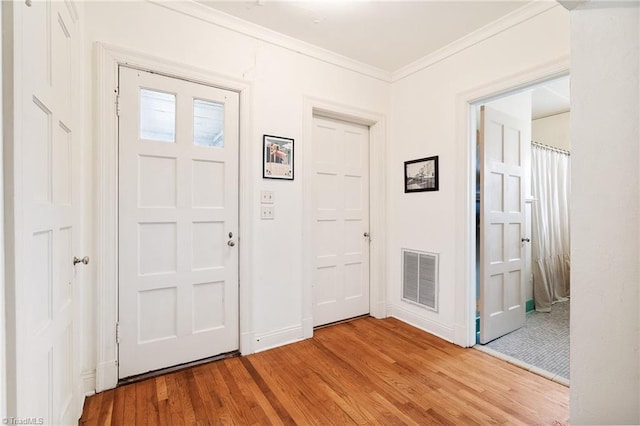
x: 465, y: 255
x: 377, y: 202
x: 107, y: 61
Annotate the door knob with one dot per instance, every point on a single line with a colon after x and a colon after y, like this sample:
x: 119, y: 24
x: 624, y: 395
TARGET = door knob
x: 84, y: 260
x: 366, y: 234
x: 526, y: 240
x: 231, y: 243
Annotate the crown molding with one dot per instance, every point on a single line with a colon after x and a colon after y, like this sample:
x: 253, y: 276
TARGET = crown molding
x: 229, y: 22
x: 518, y: 16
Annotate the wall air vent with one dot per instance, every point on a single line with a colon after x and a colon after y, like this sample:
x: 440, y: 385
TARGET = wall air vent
x: 420, y: 278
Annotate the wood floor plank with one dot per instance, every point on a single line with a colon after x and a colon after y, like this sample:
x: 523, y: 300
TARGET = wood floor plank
x: 106, y: 409
x: 278, y: 413
x: 361, y: 372
x: 117, y: 415
x: 91, y: 409
x: 142, y: 395
x: 129, y: 417
x: 175, y: 409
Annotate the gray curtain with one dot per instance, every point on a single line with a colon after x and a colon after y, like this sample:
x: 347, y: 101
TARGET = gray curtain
x: 550, y: 239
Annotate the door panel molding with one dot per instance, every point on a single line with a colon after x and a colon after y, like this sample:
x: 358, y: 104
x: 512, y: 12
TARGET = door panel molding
x: 377, y: 202
x: 107, y: 61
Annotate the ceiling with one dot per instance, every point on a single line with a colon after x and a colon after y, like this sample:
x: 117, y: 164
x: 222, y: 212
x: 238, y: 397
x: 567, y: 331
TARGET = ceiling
x: 550, y: 98
x: 385, y: 34
x: 388, y: 34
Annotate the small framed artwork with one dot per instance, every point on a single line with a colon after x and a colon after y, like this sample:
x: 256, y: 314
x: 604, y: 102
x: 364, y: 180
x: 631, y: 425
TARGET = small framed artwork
x: 421, y: 175
x: 277, y: 161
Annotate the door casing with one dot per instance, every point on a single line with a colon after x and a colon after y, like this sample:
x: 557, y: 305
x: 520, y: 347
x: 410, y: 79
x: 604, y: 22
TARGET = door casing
x: 465, y: 216
x: 108, y: 60
x: 377, y: 202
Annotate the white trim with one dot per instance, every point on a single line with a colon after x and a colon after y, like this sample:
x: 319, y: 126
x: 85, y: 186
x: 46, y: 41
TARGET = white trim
x: 281, y: 337
x: 523, y: 14
x: 232, y: 23
x: 465, y: 264
x: 3, y: 346
x: 108, y: 59
x: 88, y: 383
x: 422, y: 322
x: 13, y: 207
x: 524, y: 365
x: 377, y: 201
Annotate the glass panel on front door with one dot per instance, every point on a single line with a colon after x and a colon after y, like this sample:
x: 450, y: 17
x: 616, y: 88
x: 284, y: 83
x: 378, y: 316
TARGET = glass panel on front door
x: 208, y: 123
x: 157, y: 116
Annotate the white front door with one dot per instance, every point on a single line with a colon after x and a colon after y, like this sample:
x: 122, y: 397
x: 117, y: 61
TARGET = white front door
x: 48, y: 186
x: 340, y: 229
x: 502, y: 224
x: 178, y: 221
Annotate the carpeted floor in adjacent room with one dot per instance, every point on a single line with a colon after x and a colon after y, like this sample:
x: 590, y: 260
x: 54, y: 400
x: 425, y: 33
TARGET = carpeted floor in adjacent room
x: 543, y: 342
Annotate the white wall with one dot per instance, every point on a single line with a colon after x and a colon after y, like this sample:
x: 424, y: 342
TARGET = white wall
x: 553, y: 131
x: 605, y: 221
x: 280, y: 79
x: 426, y: 120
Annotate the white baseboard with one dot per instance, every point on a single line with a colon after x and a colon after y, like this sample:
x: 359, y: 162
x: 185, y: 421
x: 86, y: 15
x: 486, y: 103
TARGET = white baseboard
x: 307, y: 328
x: 461, y: 337
x: 88, y: 378
x: 379, y: 310
x: 277, y: 338
x: 246, y: 343
x: 423, y: 323
x: 106, y: 375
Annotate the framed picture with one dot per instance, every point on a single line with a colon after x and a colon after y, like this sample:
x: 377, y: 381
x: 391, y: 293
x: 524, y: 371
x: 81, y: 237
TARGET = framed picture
x: 421, y: 175
x: 277, y: 161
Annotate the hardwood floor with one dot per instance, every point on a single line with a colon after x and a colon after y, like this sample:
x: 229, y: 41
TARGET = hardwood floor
x: 366, y: 371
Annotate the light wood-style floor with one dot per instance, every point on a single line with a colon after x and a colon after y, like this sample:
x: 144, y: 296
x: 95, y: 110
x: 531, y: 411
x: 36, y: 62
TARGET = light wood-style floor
x: 366, y: 371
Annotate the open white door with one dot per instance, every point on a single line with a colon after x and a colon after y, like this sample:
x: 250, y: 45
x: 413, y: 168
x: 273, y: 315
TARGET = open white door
x: 340, y: 220
x: 502, y: 224
x: 47, y: 214
x: 178, y: 221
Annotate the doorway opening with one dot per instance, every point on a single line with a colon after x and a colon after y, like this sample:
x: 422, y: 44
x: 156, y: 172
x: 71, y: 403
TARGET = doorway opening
x: 522, y: 226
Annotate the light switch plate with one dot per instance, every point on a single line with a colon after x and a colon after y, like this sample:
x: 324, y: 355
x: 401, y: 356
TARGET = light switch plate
x: 267, y: 197
x: 266, y: 212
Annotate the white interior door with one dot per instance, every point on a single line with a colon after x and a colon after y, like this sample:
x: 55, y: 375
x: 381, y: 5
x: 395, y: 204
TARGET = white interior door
x: 178, y: 221
x: 48, y: 208
x: 502, y: 224
x: 340, y: 220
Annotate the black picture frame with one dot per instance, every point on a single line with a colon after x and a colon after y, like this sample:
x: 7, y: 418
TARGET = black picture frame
x: 421, y: 175
x: 277, y: 157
